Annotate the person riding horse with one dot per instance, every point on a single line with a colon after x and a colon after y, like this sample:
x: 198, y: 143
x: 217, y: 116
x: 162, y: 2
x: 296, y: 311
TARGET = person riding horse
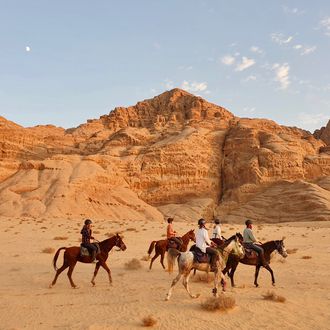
x: 250, y: 240
x: 171, y: 234
x: 204, y: 243
x: 86, y: 233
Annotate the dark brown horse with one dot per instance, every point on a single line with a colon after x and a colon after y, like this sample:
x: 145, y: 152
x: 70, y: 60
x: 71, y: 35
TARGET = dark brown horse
x: 161, y: 247
x: 254, y: 260
x: 72, y: 255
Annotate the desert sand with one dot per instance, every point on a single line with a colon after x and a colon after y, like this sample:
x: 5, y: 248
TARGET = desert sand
x: 26, y: 272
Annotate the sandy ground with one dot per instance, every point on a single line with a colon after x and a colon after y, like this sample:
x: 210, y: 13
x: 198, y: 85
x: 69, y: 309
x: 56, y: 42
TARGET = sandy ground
x: 28, y: 303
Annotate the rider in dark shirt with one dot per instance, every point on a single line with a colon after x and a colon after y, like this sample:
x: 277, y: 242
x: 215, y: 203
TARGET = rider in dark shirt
x: 86, y: 233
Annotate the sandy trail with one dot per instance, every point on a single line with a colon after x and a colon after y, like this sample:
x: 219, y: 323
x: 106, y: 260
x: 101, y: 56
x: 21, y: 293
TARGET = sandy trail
x: 28, y: 303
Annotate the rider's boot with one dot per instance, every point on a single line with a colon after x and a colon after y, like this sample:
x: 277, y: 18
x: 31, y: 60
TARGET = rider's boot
x: 94, y: 260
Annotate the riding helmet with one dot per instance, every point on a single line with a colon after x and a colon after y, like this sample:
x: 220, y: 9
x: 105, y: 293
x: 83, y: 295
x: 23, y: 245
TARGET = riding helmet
x: 88, y: 222
x: 201, y: 222
x: 169, y: 220
x: 217, y: 221
x: 248, y: 222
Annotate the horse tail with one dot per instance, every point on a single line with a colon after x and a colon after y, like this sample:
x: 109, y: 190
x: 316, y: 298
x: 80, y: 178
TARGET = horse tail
x: 172, y: 254
x: 56, y: 256
x: 151, y: 247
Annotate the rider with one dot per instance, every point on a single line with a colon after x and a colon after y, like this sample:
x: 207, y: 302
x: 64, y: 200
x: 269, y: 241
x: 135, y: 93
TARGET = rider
x: 171, y: 233
x: 216, y: 229
x: 86, y: 233
x: 250, y: 240
x: 204, y: 243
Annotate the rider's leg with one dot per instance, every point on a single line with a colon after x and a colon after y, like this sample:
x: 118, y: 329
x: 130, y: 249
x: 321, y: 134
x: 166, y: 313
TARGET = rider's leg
x: 214, y: 257
x: 261, y: 253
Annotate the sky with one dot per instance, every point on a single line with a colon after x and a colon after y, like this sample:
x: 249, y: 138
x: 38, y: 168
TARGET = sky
x: 65, y: 61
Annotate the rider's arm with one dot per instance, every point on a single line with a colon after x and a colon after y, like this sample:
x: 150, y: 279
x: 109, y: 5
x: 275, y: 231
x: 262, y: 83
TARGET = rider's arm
x: 252, y: 238
x: 206, y: 237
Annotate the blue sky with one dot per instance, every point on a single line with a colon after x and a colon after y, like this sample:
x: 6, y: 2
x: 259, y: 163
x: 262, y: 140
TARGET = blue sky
x: 63, y: 62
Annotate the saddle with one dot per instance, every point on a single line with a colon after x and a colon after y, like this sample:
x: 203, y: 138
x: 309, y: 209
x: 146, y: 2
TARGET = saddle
x: 250, y: 253
x: 85, y: 252
x: 200, y: 256
x: 172, y: 244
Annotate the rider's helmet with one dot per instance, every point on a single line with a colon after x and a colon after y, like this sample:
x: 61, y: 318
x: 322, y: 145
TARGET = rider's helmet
x: 169, y: 220
x: 201, y: 222
x: 88, y: 222
x: 248, y: 222
x: 217, y: 221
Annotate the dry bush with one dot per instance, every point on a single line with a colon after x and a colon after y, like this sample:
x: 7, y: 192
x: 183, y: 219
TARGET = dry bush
x: 133, y: 264
x: 131, y: 229
x: 145, y: 258
x: 149, y: 321
x: 109, y: 234
x: 43, y: 227
x: 271, y: 295
x: 163, y: 235
x: 306, y: 257
x: 60, y: 238
x: 96, y: 231
x: 48, y: 250
x: 231, y: 228
x: 291, y: 251
x: 221, y: 303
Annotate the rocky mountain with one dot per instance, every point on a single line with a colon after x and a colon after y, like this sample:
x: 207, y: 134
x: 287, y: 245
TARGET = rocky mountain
x: 174, y: 155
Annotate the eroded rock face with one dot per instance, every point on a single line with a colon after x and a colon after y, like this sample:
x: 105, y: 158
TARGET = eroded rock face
x: 176, y: 154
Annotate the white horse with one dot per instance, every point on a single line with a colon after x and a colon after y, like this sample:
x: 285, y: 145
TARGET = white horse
x: 186, y: 263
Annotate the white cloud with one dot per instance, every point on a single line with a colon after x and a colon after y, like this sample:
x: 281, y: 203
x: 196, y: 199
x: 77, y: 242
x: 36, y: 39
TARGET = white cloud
x: 169, y: 84
x: 27, y: 48
x: 308, y: 50
x: 282, y: 74
x: 281, y: 39
x: 312, y: 121
x: 305, y: 50
x: 250, y: 78
x: 292, y: 11
x: 325, y: 25
x: 246, y: 63
x: 228, y: 60
x: 194, y: 86
x: 256, y: 49
x: 249, y: 110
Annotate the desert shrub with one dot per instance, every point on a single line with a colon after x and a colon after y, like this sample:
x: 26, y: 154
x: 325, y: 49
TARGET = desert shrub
x: 131, y: 229
x: 221, y: 303
x: 145, y: 258
x: 271, y: 295
x: 149, y: 321
x: 291, y: 251
x: 60, y: 238
x: 133, y: 264
x: 48, y: 250
x: 306, y: 257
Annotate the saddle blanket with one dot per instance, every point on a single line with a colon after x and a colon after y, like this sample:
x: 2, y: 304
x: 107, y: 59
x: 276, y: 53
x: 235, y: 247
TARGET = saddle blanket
x: 200, y: 256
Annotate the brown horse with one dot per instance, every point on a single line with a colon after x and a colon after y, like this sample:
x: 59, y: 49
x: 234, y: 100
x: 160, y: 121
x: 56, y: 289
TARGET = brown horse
x: 161, y: 247
x: 254, y: 260
x: 72, y: 255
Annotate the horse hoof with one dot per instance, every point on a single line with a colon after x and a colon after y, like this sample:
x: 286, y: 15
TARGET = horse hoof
x: 197, y: 295
x: 273, y: 284
x: 50, y: 286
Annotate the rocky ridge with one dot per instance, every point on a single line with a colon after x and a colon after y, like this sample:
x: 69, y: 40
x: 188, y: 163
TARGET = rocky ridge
x: 173, y: 155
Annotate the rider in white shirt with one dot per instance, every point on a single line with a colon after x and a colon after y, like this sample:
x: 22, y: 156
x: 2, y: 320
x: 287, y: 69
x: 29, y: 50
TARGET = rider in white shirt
x: 216, y: 229
x: 204, y: 243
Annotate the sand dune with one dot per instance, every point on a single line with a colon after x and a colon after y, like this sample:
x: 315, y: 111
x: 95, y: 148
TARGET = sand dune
x: 28, y: 303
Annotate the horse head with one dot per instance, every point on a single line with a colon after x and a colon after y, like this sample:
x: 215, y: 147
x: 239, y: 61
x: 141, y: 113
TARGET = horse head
x: 239, y: 248
x: 119, y: 243
x: 191, y: 235
x: 281, y: 248
x: 240, y: 237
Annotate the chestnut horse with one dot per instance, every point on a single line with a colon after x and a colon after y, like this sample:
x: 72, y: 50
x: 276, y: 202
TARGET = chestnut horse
x: 186, y: 263
x: 161, y: 247
x: 72, y: 255
x: 254, y: 260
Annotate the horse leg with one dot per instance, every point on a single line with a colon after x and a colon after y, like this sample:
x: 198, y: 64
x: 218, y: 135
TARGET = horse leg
x: 58, y: 272
x: 97, y: 266
x: 271, y: 273
x: 216, y: 282
x: 71, y: 268
x: 107, y: 269
x: 162, y: 258
x: 256, y: 275
x: 153, y: 259
x: 186, y: 285
x: 175, y: 281
x: 231, y: 274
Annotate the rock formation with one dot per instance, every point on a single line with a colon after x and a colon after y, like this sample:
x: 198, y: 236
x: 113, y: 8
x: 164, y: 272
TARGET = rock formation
x: 173, y: 155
